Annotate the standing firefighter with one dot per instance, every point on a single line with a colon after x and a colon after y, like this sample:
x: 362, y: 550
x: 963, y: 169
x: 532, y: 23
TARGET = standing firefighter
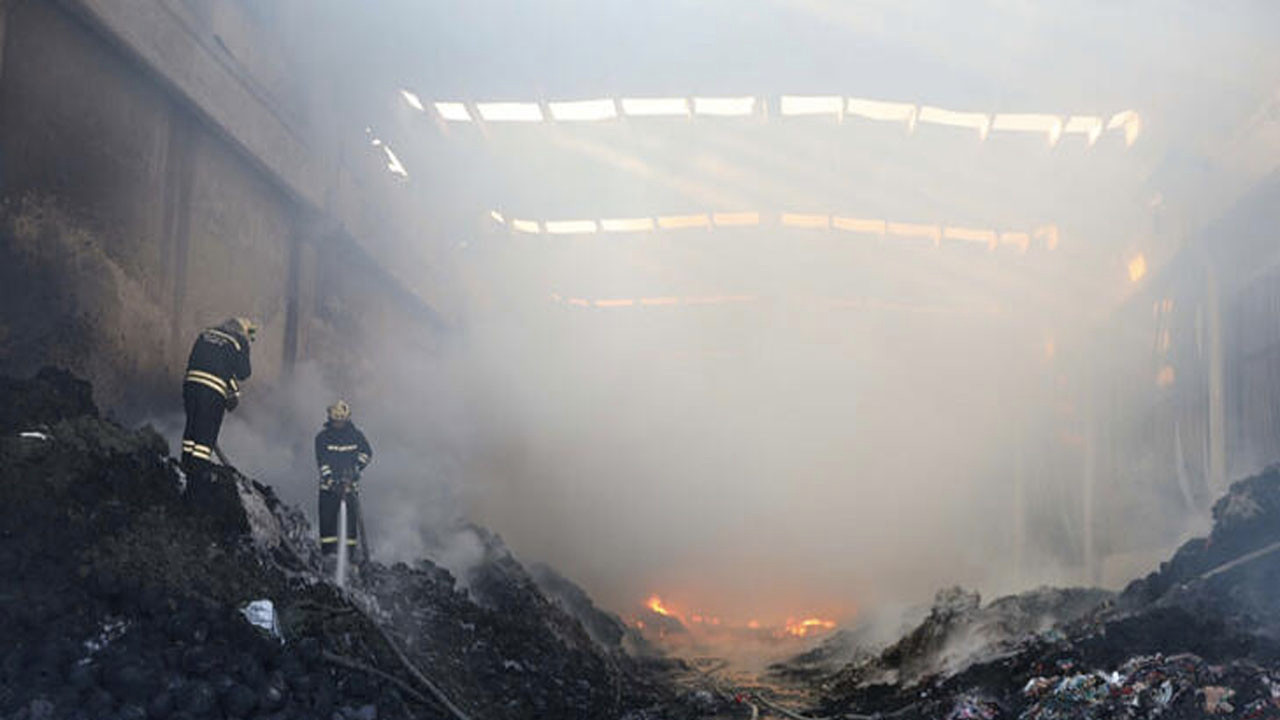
x: 342, y: 452
x: 219, y: 362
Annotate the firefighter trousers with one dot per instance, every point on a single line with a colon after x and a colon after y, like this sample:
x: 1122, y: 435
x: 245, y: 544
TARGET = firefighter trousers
x: 205, y: 408
x: 329, y: 532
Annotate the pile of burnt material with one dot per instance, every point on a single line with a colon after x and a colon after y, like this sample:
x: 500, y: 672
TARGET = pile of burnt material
x: 1196, y: 638
x: 506, y: 645
x: 125, y: 597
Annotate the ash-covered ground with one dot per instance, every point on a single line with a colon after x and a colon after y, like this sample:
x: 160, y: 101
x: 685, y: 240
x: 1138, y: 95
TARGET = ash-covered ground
x: 1199, y: 637
x: 123, y: 599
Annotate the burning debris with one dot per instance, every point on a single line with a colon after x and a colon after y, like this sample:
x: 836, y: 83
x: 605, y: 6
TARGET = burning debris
x: 695, y: 633
x: 141, y: 600
x: 133, y: 597
x: 808, y: 626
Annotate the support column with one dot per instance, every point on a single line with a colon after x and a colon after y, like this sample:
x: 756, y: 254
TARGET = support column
x: 178, y: 173
x: 4, y: 15
x: 311, y: 231
x: 1217, y: 411
x: 292, y: 284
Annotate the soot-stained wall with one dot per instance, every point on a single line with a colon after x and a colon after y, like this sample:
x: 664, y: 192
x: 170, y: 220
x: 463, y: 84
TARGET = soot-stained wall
x: 129, y: 221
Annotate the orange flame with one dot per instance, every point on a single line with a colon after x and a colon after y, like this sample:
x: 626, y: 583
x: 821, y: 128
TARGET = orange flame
x: 803, y: 627
x: 655, y: 604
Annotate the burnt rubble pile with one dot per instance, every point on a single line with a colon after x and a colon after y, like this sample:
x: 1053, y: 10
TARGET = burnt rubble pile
x: 511, y: 649
x: 960, y: 631
x: 1200, y: 637
x: 124, y: 598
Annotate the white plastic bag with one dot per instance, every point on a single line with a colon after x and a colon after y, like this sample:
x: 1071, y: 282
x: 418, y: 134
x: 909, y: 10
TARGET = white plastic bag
x: 262, y: 613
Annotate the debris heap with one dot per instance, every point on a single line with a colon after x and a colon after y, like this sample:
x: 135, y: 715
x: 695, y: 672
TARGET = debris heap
x: 125, y: 598
x: 1199, y: 637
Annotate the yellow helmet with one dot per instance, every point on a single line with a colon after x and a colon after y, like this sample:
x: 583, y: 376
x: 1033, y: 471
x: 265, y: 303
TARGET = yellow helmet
x: 340, y: 411
x: 248, y: 328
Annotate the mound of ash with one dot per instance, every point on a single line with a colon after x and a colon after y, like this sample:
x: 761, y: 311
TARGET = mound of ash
x: 124, y: 598
x: 848, y: 647
x: 604, y: 627
x: 1196, y: 638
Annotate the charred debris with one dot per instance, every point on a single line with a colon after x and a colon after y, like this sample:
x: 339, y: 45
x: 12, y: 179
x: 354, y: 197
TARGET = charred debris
x: 1199, y: 637
x: 124, y: 598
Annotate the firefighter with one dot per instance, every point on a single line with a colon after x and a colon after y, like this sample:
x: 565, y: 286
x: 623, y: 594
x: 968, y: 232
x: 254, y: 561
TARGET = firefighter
x: 342, y: 453
x: 219, y: 362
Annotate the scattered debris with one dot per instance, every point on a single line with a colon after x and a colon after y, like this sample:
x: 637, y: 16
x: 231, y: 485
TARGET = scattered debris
x: 262, y: 614
x: 141, y: 600
x: 1199, y: 637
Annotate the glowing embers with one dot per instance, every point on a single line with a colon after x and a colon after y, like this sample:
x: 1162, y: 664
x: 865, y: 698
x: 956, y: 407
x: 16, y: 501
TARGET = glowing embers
x: 666, y: 623
x: 510, y: 111
x: 801, y: 628
x: 654, y: 603
x: 453, y: 111
x: 791, y: 105
x: 583, y: 110
x: 724, y: 106
x: 656, y: 107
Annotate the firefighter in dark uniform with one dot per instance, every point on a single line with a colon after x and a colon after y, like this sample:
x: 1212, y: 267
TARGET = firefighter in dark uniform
x: 342, y: 453
x: 219, y: 362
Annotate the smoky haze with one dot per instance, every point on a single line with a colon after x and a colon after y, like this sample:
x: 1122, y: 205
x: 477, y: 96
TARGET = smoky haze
x: 862, y: 421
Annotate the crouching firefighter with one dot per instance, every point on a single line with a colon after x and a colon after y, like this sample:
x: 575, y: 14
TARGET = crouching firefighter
x: 342, y: 453
x: 219, y: 362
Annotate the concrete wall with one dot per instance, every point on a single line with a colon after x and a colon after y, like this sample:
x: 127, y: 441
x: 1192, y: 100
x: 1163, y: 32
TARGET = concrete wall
x: 153, y: 185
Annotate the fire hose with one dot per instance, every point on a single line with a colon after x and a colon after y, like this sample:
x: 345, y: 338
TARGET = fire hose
x: 222, y: 458
x: 346, y: 662
x: 408, y: 665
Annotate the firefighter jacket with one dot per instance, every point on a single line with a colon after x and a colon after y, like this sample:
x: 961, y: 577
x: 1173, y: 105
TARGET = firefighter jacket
x: 342, y: 452
x: 220, y: 361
